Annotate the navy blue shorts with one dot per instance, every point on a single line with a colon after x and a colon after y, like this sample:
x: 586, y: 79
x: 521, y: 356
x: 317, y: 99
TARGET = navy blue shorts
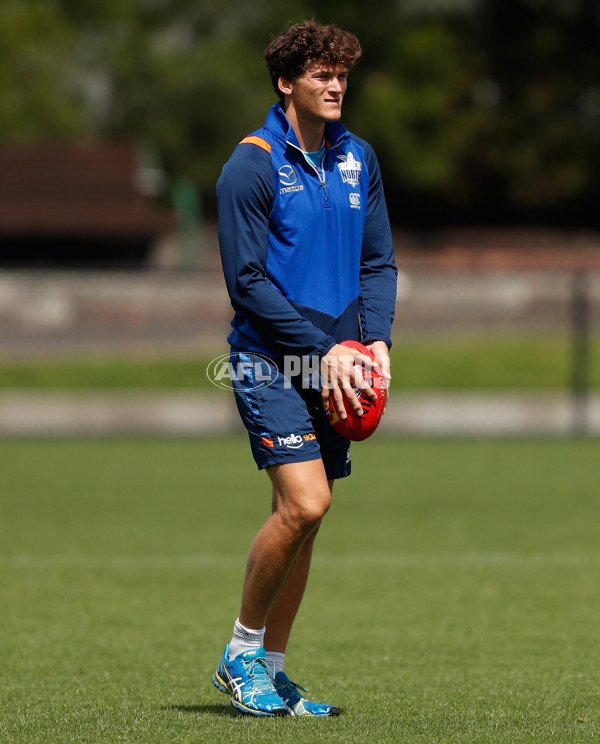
x: 285, y: 422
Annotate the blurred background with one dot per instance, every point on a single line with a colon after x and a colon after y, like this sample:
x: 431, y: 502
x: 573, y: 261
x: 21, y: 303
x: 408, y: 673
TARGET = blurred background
x: 116, y: 117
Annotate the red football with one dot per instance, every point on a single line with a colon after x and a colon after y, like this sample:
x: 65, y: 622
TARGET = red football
x: 356, y: 427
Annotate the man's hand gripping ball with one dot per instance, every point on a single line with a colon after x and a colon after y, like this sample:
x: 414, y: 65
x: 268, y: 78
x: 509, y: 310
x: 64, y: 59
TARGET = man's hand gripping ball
x: 355, y: 389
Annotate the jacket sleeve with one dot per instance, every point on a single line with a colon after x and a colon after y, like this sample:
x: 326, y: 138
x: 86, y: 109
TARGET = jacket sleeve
x: 377, y: 266
x: 244, y: 200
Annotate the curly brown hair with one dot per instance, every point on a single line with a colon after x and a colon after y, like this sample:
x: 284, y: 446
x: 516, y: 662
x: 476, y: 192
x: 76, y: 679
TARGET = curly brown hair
x: 303, y: 44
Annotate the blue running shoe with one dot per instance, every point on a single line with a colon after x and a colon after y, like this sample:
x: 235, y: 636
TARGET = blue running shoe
x: 246, y: 679
x: 291, y: 694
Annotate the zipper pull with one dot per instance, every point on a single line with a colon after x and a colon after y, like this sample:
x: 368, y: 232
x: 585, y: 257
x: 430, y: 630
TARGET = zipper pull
x: 323, y: 184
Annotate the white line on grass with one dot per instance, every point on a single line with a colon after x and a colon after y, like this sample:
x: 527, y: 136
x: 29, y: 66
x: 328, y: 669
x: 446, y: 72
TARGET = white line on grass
x: 327, y: 560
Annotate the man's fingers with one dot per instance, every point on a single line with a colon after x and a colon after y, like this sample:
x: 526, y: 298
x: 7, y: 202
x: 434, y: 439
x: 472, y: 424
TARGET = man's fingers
x: 342, y: 371
x: 384, y: 364
x: 346, y: 370
x: 357, y: 379
x: 338, y: 403
x: 351, y: 397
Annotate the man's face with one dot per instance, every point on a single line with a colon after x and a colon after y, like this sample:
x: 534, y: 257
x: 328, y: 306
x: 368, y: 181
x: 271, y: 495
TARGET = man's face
x: 319, y: 93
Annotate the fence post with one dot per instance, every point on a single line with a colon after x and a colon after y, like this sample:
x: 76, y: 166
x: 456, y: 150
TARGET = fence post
x: 580, y: 353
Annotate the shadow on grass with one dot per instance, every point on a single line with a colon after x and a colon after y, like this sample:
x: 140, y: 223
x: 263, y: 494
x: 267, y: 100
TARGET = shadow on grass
x: 220, y: 710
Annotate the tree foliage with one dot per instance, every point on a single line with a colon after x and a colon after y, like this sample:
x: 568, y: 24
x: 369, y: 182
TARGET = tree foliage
x: 478, y: 109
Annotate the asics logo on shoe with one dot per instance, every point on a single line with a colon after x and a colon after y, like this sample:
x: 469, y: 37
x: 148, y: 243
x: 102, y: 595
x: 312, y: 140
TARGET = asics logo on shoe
x: 246, y: 679
x: 235, y: 685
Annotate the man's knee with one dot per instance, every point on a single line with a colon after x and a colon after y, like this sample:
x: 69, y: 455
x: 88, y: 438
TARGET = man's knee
x: 302, y: 513
x: 301, y: 495
x: 315, y: 506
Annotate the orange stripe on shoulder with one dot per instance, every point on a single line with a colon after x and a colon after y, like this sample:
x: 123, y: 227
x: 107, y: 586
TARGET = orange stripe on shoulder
x: 258, y: 141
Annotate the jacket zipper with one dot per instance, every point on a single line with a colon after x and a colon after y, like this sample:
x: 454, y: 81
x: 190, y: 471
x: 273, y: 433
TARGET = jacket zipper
x: 321, y: 179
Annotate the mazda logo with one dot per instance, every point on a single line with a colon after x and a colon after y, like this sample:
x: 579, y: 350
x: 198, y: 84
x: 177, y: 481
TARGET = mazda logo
x: 287, y: 175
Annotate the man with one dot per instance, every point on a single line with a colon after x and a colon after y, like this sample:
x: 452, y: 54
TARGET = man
x: 308, y: 261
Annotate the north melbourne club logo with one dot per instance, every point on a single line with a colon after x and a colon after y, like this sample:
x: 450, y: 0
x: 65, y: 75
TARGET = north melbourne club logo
x: 350, y: 169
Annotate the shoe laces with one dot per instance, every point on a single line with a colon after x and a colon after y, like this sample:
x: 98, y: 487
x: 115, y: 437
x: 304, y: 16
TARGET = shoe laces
x: 258, y: 671
x: 291, y: 688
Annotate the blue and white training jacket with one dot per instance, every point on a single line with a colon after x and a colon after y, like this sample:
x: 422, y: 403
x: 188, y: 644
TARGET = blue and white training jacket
x: 307, y: 253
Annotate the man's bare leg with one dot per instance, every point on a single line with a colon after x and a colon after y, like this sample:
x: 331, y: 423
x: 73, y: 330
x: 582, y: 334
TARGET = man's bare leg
x: 283, y: 612
x: 302, y: 497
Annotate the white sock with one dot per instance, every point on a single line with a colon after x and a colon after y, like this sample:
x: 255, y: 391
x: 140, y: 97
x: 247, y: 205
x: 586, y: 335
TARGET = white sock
x: 275, y: 661
x: 244, y: 639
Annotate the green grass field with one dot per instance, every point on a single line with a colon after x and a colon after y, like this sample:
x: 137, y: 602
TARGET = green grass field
x: 460, y: 361
x: 454, y: 596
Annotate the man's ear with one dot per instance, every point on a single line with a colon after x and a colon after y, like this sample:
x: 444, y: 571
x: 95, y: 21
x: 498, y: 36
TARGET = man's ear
x: 285, y: 86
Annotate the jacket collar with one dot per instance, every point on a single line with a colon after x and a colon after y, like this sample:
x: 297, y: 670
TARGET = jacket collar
x: 278, y: 123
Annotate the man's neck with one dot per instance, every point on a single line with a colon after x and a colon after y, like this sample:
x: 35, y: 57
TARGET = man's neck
x: 310, y: 134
